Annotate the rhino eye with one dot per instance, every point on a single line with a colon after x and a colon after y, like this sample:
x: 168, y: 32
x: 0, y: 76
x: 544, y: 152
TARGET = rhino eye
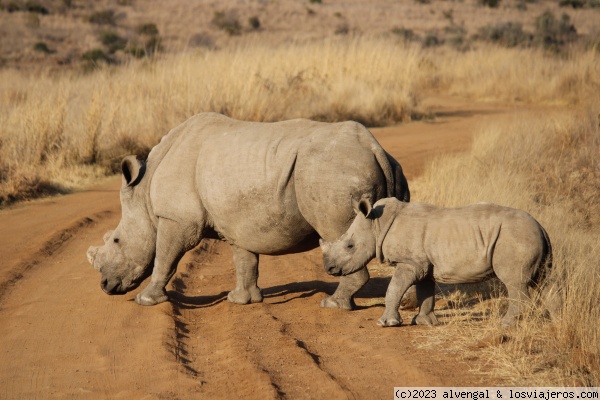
x: 116, y: 240
x: 350, y: 246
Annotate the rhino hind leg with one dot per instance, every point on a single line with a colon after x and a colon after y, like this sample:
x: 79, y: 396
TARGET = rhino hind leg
x: 349, y: 285
x: 404, y: 276
x: 246, y: 271
x: 518, y: 297
x: 426, y: 299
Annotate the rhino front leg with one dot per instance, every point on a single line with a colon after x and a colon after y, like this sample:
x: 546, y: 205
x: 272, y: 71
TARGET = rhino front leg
x: 246, y: 271
x: 404, y: 276
x: 172, y: 242
x: 349, y: 284
x: 426, y: 300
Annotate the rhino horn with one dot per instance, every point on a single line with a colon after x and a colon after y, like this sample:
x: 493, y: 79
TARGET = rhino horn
x: 107, y: 235
x: 91, y: 256
x: 324, y: 245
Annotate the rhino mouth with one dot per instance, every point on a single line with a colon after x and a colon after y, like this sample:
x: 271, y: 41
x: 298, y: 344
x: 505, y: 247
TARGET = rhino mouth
x: 121, y: 286
x: 112, y: 286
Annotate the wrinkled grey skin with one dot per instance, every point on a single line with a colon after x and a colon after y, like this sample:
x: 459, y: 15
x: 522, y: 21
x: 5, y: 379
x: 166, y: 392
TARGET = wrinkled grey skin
x: 449, y: 245
x: 264, y: 188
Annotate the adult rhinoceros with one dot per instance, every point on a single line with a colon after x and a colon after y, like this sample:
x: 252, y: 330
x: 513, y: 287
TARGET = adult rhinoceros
x: 264, y: 188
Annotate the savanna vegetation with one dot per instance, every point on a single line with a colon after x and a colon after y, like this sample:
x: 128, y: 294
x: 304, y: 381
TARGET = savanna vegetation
x: 62, y: 129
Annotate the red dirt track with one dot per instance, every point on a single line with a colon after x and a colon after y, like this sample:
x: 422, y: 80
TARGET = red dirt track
x: 62, y: 337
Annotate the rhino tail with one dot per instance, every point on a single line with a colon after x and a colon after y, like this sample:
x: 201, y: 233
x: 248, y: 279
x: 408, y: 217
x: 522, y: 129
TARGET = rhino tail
x: 548, y: 281
x: 396, y: 183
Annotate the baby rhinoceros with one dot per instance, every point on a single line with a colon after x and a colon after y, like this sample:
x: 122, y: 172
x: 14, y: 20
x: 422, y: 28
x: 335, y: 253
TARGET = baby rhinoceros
x: 449, y: 245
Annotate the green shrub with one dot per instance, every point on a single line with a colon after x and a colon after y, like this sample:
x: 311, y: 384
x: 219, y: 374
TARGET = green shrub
x: 508, y: 34
x: 147, y: 29
x: 431, y: 40
x: 13, y: 6
x: 254, y: 22
x: 553, y: 33
x: 95, y: 56
x: 228, y: 22
x: 136, y: 51
x: 106, y: 17
x: 153, y: 44
x: 406, y: 34
x: 41, y: 47
x: 112, y: 41
x: 34, y: 7
x: 572, y: 3
x: 489, y: 3
x: 316, y: 1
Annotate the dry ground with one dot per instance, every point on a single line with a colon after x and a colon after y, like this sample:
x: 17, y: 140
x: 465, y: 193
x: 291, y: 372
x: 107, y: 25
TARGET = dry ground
x: 61, y: 336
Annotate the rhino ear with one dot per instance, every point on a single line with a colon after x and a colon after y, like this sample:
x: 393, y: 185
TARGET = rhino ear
x: 133, y: 170
x: 363, y: 206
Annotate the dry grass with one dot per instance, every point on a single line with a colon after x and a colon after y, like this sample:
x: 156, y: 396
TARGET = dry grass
x: 60, y: 130
x: 548, y: 165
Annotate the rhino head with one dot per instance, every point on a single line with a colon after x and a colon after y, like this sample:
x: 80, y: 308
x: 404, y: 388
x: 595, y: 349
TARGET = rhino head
x: 356, y: 247
x: 126, y: 257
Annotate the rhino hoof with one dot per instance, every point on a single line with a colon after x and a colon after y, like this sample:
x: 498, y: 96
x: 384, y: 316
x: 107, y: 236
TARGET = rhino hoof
x: 389, y: 322
x: 331, y: 302
x: 429, y: 319
x: 241, y: 296
x: 146, y: 300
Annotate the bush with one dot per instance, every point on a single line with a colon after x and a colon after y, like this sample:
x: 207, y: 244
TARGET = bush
x: 254, y: 22
x: 553, y: 33
x: 228, y: 22
x: 406, y: 34
x: 508, y: 34
x: 36, y: 8
x: 106, y: 17
x: 95, y: 56
x: 431, y: 40
x: 113, y: 41
x: 489, y: 3
x: 136, y: 51
x: 147, y: 29
x: 316, y: 1
x: 41, y: 47
x: 153, y: 44
x: 13, y: 6
x: 572, y: 3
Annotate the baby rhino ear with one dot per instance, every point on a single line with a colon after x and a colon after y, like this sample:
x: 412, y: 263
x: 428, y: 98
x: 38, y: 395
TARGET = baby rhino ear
x: 363, y: 206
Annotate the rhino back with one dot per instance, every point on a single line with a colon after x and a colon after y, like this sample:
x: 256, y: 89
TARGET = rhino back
x: 265, y: 186
x: 460, y: 243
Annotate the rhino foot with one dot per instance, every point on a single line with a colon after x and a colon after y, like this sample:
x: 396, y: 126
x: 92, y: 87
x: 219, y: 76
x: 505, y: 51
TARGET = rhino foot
x: 389, y: 321
x: 332, y: 302
x: 149, y: 299
x: 429, y: 319
x: 243, y: 296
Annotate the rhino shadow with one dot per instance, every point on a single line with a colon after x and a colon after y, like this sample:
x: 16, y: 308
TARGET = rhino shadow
x: 185, y: 302
x: 375, y: 287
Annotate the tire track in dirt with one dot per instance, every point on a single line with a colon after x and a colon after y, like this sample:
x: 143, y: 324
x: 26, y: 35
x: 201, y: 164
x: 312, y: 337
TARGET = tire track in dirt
x: 304, y: 351
x: 60, y: 335
x: 48, y: 249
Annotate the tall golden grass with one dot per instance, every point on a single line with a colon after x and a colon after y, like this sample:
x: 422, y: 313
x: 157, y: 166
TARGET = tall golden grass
x: 546, y: 164
x: 57, y: 132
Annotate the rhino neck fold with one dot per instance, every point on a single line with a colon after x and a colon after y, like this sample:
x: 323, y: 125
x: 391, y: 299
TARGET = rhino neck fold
x: 382, y: 227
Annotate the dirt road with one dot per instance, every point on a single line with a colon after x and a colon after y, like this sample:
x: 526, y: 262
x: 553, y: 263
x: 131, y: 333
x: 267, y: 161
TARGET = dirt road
x: 62, y: 337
